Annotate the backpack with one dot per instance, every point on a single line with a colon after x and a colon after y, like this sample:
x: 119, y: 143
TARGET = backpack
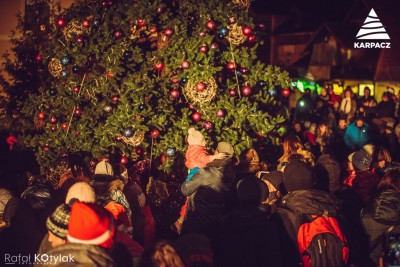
x: 320, y: 240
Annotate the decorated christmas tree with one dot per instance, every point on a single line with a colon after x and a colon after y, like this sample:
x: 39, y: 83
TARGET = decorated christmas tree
x: 130, y: 77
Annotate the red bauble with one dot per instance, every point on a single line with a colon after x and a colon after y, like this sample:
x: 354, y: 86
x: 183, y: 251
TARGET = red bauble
x: 174, y: 78
x: 214, y: 46
x: 153, y: 29
x: 79, y: 40
x: 159, y: 10
x: 204, y: 49
x: 185, y: 65
x: 38, y: 57
x: 191, y: 106
x: 155, y: 133
x: 252, y: 38
x: 261, y: 25
x: 208, y: 125
x: 202, y: 34
x: 53, y: 128
x: 139, y: 151
x: 210, y: 25
x: 232, y: 20
x: 118, y: 139
x: 164, y: 158
x: 159, y: 66
x: 196, y: 116
x: 200, y: 86
x: 86, y: 24
x: 168, y: 32
x: 41, y: 115
x: 174, y: 93
x: 77, y: 112
x: 118, y: 34
x: 232, y: 92
x: 246, y: 90
x: 246, y: 30
x: 221, y: 113
x: 115, y: 99
x: 60, y: 22
x: 124, y: 160
x: 64, y: 126
x: 141, y: 23
x: 244, y: 71
x: 53, y: 120
x: 285, y: 92
x: 46, y: 147
x: 76, y: 89
x: 231, y: 66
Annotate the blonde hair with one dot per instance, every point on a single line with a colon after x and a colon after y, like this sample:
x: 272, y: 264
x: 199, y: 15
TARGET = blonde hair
x: 161, y: 254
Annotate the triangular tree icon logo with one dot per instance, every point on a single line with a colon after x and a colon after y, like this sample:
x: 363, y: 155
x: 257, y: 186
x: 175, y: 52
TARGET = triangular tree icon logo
x: 372, y: 28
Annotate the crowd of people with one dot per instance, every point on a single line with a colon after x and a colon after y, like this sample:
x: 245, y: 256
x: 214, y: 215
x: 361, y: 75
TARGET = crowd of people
x: 331, y: 199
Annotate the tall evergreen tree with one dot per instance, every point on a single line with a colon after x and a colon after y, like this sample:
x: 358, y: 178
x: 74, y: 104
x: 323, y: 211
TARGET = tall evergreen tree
x: 130, y: 77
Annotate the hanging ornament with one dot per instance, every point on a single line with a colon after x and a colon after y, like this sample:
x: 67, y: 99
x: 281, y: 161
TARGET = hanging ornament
x: 53, y: 120
x: 174, y: 78
x: 86, y: 23
x: 214, y: 46
x: 160, y: 10
x: 221, y: 113
x: 208, y: 125
x: 272, y: 91
x: 232, y: 20
x: 124, y: 160
x: 64, y: 126
x: 231, y: 66
x: 75, y: 69
x: 252, y: 38
x: 184, y: 80
x: 203, y: 49
x: 155, y: 133
x: 153, y: 29
x: 108, y: 109
x: 141, y: 23
x: 55, y: 67
x: 200, y: 86
x: 261, y: 83
x: 118, y: 34
x: 170, y: 152
x: 127, y: 54
x: 80, y: 40
x: 139, y: 151
x: 246, y: 90
x: 115, y: 99
x: 46, y: 147
x: 235, y: 34
x: 223, y: 31
x: 159, y: 66
x: 60, y: 22
x: 53, y: 128
x: 202, y: 34
x: 77, y: 112
x: 64, y: 60
x: 96, y: 22
x: 128, y: 132
x: 246, y: 30
x: 210, y: 25
x: 41, y: 115
x: 142, y: 107
x: 174, y: 93
x: 244, y: 71
x: 38, y: 57
x: 53, y: 92
x: 185, y: 65
x: 118, y: 139
x: 169, y: 32
x: 196, y: 116
x: 285, y: 92
x: 64, y: 73
x: 76, y: 89
x: 232, y: 92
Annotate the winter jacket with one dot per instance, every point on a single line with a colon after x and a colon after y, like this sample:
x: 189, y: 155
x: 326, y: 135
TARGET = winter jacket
x: 364, y: 184
x: 295, y: 206
x: 356, y: 137
x: 83, y: 255
x: 197, y: 156
x: 210, y: 192
x: 378, y: 217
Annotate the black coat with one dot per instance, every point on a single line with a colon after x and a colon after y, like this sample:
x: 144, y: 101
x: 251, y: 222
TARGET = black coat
x: 210, y: 193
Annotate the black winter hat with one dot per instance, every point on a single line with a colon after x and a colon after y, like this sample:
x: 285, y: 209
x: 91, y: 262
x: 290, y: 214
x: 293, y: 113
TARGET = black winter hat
x: 252, y: 190
x: 297, y: 176
x: 275, y: 178
x: 361, y: 160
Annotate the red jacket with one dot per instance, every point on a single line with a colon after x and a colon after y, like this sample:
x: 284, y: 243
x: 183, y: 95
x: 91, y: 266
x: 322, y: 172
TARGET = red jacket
x: 197, y: 156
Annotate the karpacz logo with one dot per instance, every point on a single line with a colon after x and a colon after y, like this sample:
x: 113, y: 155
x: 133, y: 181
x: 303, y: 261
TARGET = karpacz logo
x: 372, y: 29
x: 371, y: 45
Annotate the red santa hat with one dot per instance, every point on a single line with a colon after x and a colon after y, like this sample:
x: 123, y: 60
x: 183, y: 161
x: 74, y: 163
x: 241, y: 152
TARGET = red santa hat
x: 90, y: 223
